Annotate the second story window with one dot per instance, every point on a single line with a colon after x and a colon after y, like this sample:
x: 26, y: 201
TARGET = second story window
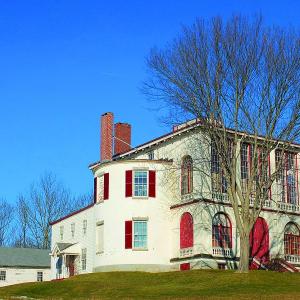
x: 84, y: 227
x: 61, y: 232
x: 73, y: 230
x: 151, y: 155
x: 140, y: 183
x: 187, y: 175
x: 218, y: 181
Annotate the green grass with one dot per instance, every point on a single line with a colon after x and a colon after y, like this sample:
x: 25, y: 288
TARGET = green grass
x: 198, y: 284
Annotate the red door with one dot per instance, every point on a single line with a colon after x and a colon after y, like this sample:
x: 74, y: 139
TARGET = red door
x: 71, y: 266
x: 259, y: 243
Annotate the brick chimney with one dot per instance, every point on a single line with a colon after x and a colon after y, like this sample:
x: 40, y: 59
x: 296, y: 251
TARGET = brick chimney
x: 122, y: 142
x: 107, y: 123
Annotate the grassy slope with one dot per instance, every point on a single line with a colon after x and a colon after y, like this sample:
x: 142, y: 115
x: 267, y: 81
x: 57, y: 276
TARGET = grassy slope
x: 198, y: 284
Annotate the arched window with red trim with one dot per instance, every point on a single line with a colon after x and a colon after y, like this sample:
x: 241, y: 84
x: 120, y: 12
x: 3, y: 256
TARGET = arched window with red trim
x: 186, y: 231
x: 221, y: 231
x: 291, y: 239
x: 187, y: 175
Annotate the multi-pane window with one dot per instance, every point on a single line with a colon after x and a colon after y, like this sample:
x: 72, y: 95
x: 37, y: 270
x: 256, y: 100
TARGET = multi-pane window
x: 100, y: 188
x: 73, y: 229
x: 100, y: 237
x: 83, y: 259
x: 61, y: 232
x: 218, y: 181
x: 221, y: 231
x: 39, y: 276
x: 140, y: 183
x: 151, y: 155
x: 246, y: 153
x: 84, y: 227
x: 2, y: 275
x: 140, y: 234
x: 291, y: 240
x: 286, y: 165
x: 187, y: 175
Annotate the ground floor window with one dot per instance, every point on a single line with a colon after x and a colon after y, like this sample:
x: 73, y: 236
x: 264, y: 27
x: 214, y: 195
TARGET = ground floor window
x: 291, y: 239
x: 140, y: 234
x: 83, y: 259
x: 2, y: 275
x: 221, y: 231
x: 39, y: 276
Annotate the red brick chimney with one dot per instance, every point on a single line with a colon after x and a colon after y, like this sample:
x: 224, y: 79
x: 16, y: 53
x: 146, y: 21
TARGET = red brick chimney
x: 107, y: 123
x: 122, y: 142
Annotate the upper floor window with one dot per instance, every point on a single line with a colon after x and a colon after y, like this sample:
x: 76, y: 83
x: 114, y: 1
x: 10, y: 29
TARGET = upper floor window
x: 221, y: 231
x: 101, y: 187
x: 291, y: 239
x: 140, y: 183
x: 151, y: 155
x: 246, y: 159
x: 61, y: 232
x: 84, y: 227
x: 73, y: 230
x: 218, y: 181
x: 187, y: 175
x: 287, y: 176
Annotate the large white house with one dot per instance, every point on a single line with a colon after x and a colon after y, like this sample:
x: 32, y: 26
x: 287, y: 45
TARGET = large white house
x: 154, y: 211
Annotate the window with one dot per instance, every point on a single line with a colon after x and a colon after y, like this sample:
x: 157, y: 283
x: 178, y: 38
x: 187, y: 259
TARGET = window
x: 39, y: 276
x: 140, y: 183
x: 218, y: 181
x: 187, y: 175
x: 287, y: 179
x: 84, y: 227
x: 2, y: 275
x: 83, y: 259
x: 221, y: 266
x: 101, y: 188
x: 221, y: 231
x: 151, y: 155
x: 186, y: 231
x: 291, y: 239
x: 139, y: 234
x: 246, y: 157
x: 61, y: 232
x: 100, y: 237
x: 73, y: 229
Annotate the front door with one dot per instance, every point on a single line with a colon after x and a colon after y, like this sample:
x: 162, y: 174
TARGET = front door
x: 71, y: 265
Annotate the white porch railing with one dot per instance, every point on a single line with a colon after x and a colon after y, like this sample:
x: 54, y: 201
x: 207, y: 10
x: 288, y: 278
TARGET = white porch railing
x: 220, y: 197
x: 267, y: 203
x: 227, y: 252
x: 292, y: 258
x: 288, y: 206
x: 187, y: 197
x: 185, y: 252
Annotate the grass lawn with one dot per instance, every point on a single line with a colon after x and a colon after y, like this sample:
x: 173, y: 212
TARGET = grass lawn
x: 198, y: 284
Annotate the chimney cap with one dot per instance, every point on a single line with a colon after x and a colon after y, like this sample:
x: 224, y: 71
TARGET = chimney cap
x: 107, y: 113
x: 122, y: 123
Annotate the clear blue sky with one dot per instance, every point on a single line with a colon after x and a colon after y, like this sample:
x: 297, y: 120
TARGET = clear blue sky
x: 64, y: 63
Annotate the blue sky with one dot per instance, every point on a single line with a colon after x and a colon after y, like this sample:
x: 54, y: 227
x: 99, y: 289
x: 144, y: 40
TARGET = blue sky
x: 64, y: 63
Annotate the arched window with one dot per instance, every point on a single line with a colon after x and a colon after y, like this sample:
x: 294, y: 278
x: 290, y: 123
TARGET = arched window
x: 221, y: 232
x: 291, y: 239
x: 186, y: 175
x: 186, y: 231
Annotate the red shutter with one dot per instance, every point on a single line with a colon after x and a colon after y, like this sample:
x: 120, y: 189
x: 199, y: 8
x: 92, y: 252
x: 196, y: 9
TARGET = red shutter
x: 128, y: 183
x: 95, y: 189
x: 106, y: 186
x: 185, y: 267
x: 128, y: 234
x: 152, y: 188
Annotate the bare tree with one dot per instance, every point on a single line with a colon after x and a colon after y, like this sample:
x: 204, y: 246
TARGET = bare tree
x: 6, y: 217
x: 241, y: 80
x: 48, y: 200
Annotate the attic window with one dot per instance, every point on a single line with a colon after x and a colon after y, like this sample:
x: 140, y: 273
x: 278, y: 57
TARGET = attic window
x: 151, y: 155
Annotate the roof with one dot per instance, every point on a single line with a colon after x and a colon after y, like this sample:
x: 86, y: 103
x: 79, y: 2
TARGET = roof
x: 24, y: 257
x: 66, y: 248
x: 63, y: 246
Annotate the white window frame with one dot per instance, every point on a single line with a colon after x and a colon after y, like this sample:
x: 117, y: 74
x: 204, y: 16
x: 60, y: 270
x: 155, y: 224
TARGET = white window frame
x: 73, y: 230
x: 2, y: 275
x: 133, y: 183
x: 61, y: 232
x: 39, y: 276
x: 139, y: 220
x: 84, y: 227
x: 100, y: 188
x: 99, y: 243
x: 83, y: 259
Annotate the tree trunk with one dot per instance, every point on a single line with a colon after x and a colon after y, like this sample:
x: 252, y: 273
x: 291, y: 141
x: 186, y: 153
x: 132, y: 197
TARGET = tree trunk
x: 244, y: 253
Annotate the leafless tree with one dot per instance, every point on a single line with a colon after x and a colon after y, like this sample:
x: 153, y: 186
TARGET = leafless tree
x: 241, y: 80
x: 47, y: 200
x: 6, y: 217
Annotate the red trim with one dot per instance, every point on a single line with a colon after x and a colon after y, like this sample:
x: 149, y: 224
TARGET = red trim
x: 185, y: 267
x: 106, y: 186
x: 152, y: 184
x: 128, y: 234
x: 128, y: 183
x: 95, y: 189
x: 71, y: 214
x: 297, y: 178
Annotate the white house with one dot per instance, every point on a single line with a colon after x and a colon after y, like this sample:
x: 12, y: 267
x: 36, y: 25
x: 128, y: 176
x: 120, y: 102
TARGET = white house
x: 19, y: 265
x: 153, y: 211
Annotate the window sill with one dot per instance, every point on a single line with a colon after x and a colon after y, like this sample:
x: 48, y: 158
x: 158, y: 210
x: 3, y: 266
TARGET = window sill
x: 139, y: 249
x: 140, y: 197
x: 99, y: 252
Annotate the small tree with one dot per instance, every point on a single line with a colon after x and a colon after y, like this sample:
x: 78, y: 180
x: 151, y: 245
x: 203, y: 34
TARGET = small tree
x: 241, y: 80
